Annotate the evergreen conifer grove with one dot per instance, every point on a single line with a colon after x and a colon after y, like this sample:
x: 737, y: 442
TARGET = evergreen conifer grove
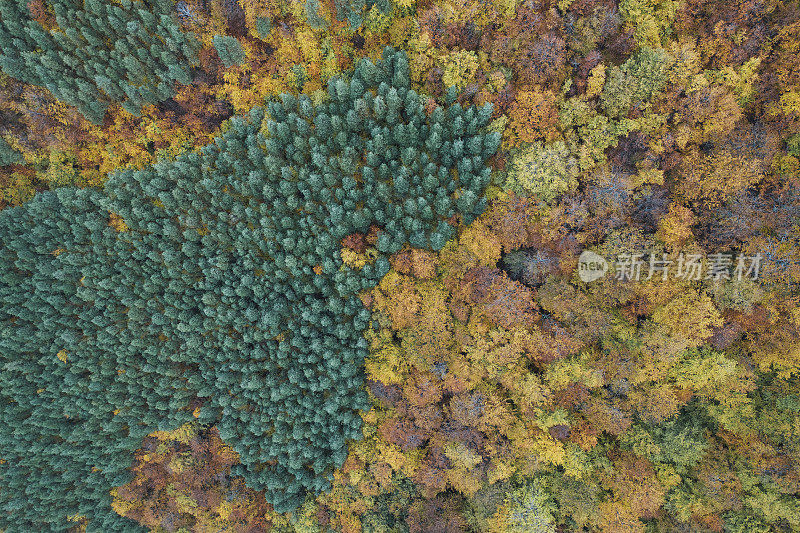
x: 128, y: 53
x: 212, y: 286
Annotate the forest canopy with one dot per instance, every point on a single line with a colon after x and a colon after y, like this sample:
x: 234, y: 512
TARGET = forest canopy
x: 314, y: 266
x: 212, y: 286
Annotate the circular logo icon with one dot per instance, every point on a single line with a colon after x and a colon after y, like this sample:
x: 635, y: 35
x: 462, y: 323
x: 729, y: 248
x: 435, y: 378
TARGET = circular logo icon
x: 591, y: 266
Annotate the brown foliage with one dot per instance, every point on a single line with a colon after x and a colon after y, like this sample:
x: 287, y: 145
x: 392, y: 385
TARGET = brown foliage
x: 634, y: 482
x: 611, y: 415
x: 711, y: 114
x: 418, y: 263
x: 431, y: 474
x: 533, y: 117
x: 514, y: 222
x: 536, y: 58
x: 506, y: 302
x: 437, y: 515
x: 356, y: 242
x: 422, y: 390
x: 42, y: 13
x: 728, y: 36
x: 181, y: 484
x: 404, y: 433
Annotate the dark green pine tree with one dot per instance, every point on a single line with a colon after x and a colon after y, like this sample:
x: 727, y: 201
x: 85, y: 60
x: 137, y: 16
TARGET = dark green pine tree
x: 212, y: 294
x: 101, y: 52
x: 229, y: 50
x: 8, y: 156
x: 353, y: 11
x: 263, y: 26
x: 312, y: 8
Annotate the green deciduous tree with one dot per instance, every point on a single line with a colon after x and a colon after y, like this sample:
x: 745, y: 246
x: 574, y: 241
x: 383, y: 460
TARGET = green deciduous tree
x: 634, y: 82
x: 544, y: 171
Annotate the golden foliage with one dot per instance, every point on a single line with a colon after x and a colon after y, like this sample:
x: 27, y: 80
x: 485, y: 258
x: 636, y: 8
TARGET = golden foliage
x: 690, y: 315
x: 532, y: 117
x: 117, y: 222
x: 675, y: 228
